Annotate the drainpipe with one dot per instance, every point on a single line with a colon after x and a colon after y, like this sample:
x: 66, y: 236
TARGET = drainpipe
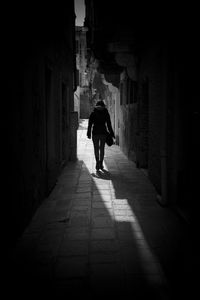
x: 163, y: 198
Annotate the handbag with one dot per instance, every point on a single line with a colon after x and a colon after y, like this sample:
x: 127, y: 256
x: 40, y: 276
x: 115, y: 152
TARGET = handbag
x: 109, y: 140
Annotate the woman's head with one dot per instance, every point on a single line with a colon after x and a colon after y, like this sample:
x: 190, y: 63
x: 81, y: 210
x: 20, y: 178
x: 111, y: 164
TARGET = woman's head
x: 100, y: 103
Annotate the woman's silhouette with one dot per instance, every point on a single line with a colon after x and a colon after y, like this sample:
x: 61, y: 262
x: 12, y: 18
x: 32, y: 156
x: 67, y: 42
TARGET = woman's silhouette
x: 100, y: 124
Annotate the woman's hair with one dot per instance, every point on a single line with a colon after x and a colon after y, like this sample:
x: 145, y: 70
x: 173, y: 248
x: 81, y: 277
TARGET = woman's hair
x: 100, y: 103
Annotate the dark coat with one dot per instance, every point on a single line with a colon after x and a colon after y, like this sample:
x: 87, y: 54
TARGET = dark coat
x: 99, y: 122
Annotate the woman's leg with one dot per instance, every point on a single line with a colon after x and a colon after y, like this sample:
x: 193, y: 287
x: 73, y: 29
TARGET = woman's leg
x: 95, y: 140
x: 102, y: 150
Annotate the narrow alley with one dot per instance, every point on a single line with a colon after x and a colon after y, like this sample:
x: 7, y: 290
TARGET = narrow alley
x: 101, y: 234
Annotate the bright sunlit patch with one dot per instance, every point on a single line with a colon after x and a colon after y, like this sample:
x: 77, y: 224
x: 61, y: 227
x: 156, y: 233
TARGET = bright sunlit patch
x: 150, y: 263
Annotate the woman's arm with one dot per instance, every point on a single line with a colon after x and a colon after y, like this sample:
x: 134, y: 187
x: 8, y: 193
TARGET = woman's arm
x: 90, y: 122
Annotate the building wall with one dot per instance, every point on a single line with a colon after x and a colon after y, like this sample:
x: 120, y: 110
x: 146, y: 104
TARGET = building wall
x: 82, y: 94
x: 141, y: 114
x: 151, y: 69
x: 127, y: 117
x: 154, y: 127
x: 38, y: 101
x: 85, y: 104
x: 158, y: 129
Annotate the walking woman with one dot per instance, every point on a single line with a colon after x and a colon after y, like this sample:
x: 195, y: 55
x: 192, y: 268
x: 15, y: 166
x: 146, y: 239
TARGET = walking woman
x: 100, y: 124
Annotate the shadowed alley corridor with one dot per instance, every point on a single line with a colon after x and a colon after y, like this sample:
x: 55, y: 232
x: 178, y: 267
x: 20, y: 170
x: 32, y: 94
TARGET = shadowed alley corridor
x: 131, y: 230
x: 100, y: 234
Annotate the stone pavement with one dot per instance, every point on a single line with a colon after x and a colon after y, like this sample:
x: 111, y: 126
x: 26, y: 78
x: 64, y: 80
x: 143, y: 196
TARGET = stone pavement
x: 99, y: 234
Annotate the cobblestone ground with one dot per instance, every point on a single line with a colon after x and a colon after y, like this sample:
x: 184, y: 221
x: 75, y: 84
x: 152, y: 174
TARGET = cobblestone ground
x: 98, y: 234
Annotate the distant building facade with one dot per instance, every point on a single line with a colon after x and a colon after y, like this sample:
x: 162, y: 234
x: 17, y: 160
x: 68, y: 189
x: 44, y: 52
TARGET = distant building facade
x: 81, y: 96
